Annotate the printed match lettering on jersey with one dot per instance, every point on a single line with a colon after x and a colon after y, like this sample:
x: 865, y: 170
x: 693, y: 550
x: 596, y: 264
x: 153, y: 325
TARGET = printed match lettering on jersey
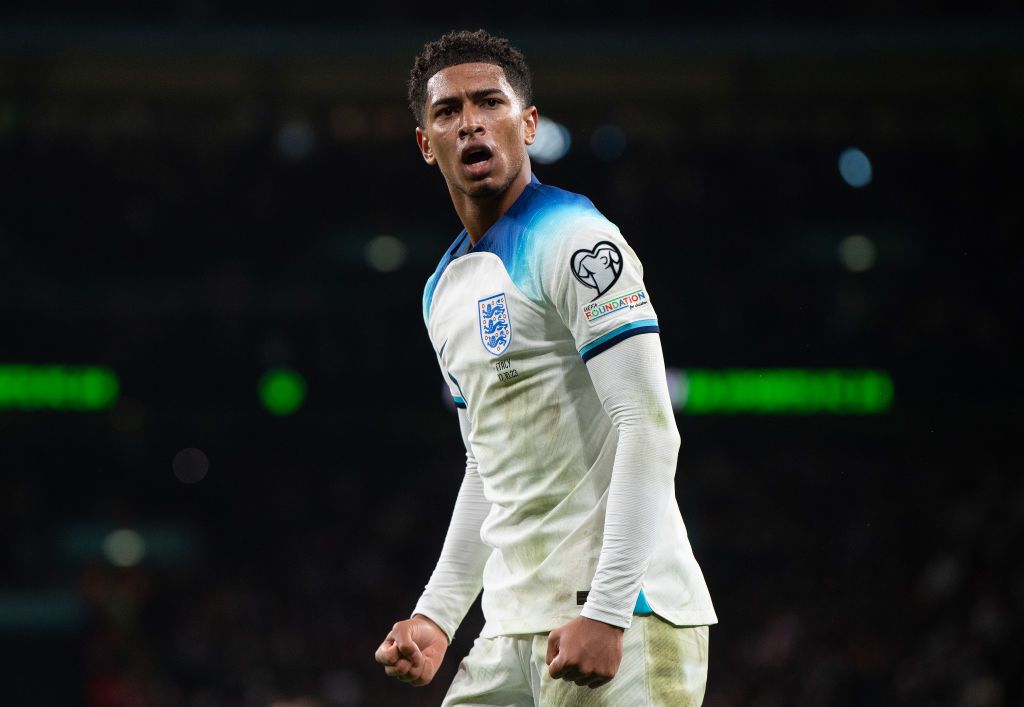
x: 596, y: 311
x: 495, y: 324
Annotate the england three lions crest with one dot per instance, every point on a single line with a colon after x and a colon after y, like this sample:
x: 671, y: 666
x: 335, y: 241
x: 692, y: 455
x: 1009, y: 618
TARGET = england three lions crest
x: 495, y: 324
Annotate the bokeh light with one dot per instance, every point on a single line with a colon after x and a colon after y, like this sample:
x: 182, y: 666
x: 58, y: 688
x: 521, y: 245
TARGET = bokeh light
x: 857, y: 253
x: 296, y: 140
x: 124, y: 547
x: 282, y: 391
x: 855, y: 167
x: 190, y: 465
x: 552, y: 143
x: 385, y: 253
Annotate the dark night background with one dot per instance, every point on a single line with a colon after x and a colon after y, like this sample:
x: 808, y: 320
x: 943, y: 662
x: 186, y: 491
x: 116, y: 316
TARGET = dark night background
x: 189, y: 192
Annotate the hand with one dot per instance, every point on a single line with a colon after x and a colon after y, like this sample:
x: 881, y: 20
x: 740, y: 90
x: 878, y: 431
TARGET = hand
x: 413, y: 651
x: 585, y: 651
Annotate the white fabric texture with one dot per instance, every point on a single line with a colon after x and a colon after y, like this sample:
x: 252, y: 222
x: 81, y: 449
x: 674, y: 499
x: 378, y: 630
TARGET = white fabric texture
x: 630, y: 380
x: 515, y: 321
x: 662, y: 666
x: 458, y: 575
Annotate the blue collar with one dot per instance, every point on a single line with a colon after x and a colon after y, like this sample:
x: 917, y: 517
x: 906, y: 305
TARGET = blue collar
x: 462, y: 246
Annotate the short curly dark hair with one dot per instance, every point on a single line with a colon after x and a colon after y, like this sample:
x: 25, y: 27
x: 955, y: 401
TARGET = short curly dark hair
x: 462, y: 48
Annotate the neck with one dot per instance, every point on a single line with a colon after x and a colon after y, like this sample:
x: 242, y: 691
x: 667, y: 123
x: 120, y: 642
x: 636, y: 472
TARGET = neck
x: 480, y: 213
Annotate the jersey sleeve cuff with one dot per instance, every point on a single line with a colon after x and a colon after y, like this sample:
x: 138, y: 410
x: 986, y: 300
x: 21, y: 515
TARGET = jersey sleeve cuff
x: 617, y: 335
x: 608, y: 617
x: 449, y: 627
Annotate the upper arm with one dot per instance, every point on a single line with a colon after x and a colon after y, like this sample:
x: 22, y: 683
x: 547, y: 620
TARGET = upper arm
x: 595, y: 281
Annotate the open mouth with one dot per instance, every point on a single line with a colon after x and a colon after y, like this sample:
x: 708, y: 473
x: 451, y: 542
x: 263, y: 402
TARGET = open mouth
x: 476, y: 154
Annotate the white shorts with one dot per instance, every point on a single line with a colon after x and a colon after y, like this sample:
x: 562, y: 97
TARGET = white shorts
x: 662, y: 665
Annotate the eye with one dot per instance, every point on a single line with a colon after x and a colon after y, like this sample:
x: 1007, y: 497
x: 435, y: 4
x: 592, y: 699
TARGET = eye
x: 446, y: 111
x: 492, y: 102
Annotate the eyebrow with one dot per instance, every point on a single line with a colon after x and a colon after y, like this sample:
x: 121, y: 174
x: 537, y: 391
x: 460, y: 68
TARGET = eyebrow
x: 475, y: 95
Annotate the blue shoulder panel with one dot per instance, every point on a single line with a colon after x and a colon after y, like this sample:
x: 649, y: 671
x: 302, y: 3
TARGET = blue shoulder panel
x: 533, y: 219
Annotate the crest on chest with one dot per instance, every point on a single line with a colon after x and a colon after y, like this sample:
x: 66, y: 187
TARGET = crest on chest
x: 495, y: 323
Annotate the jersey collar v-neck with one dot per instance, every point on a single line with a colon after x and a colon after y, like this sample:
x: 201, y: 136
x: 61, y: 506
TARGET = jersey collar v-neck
x: 463, y: 246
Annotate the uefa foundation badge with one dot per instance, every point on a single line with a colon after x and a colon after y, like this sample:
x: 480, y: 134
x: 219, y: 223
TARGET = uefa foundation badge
x: 495, y: 324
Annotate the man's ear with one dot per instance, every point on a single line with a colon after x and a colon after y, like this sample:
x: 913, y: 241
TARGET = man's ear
x: 424, y: 142
x: 530, y: 118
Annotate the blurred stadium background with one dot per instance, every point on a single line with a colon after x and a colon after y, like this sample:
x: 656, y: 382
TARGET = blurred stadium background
x: 226, y: 464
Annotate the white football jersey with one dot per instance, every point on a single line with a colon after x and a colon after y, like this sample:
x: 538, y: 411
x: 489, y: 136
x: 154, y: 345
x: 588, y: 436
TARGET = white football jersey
x: 513, y: 321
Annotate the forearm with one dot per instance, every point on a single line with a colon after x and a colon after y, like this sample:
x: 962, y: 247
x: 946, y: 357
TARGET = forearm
x: 458, y: 576
x: 630, y: 379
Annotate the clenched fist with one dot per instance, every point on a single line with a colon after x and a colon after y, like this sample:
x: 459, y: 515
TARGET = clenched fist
x: 413, y: 651
x: 585, y: 651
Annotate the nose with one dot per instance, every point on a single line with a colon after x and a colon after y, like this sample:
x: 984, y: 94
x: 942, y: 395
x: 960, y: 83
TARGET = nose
x: 471, y: 123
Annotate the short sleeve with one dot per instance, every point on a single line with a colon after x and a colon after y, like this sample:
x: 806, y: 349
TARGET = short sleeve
x: 453, y: 384
x: 595, y: 281
x: 458, y: 398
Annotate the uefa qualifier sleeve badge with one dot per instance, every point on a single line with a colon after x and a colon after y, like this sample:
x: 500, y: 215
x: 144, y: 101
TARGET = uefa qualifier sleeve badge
x: 598, y: 268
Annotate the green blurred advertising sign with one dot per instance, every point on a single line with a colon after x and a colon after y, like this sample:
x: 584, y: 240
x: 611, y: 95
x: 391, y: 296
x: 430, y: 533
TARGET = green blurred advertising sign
x: 695, y: 391
x: 782, y: 391
x: 41, y: 387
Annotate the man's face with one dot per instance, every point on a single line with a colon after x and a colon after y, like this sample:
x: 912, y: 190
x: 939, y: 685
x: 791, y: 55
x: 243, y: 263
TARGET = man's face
x: 476, y: 131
